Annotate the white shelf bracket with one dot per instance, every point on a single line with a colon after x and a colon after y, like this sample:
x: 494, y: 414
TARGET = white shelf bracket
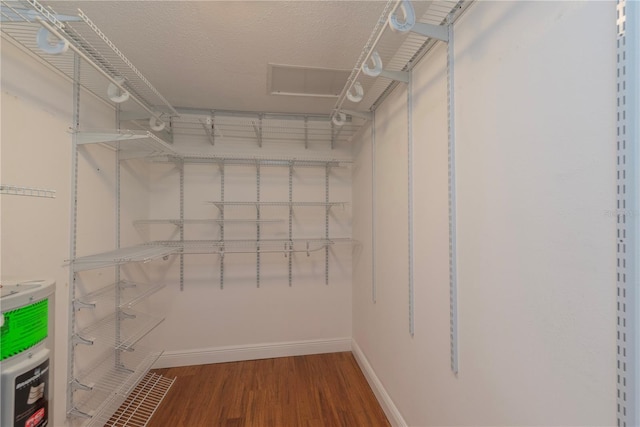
x: 208, y: 127
x: 77, y: 385
x: 78, y: 413
x: 77, y: 339
x: 367, y: 115
x: 78, y: 305
x: 379, y: 71
x: 258, y: 130
x: 438, y: 32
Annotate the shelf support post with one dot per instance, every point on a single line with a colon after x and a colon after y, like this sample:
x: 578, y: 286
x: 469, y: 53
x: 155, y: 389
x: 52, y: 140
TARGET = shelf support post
x: 73, y: 229
x: 410, y: 202
x: 627, y: 225
x: 222, y: 223
x: 258, y: 224
x: 180, y: 165
x: 453, y: 253
x: 327, y: 171
x: 290, y: 220
x: 373, y: 207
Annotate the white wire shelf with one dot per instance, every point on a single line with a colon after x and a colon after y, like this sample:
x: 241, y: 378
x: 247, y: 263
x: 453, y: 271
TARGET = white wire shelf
x: 252, y: 246
x: 110, y: 381
x: 131, y: 143
x: 27, y: 191
x: 130, y: 294
x: 140, y: 253
x: 21, y: 21
x: 179, y: 222
x: 398, y: 51
x: 139, y: 407
x: 134, y: 326
x: 221, y: 205
x: 263, y: 128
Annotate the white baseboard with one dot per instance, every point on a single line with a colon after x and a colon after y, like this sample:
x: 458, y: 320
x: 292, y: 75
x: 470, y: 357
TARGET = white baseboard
x: 203, y: 356
x: 389, y: 408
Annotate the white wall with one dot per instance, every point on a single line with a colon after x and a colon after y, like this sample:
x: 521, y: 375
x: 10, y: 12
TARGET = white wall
x: 535, y: 97
x: 206, y: 324
x: 36, y: 152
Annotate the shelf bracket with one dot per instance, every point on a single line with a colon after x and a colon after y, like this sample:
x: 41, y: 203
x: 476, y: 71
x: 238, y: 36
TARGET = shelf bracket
x: 126, y: 315
x: 78, y: 305
x: 77, y: 339
x: 401, y: 76
x: 78, y: 413
x: 208, y: 127
x: 77, y: 385
x: 437, y: 32
x: 258, y: 130
x: 367, y: 115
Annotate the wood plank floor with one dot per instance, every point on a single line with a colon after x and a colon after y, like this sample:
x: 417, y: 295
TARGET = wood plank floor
x: 321, y: 390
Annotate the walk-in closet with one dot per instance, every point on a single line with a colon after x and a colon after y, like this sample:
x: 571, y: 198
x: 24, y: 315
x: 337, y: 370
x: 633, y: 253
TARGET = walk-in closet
x: 327, y: 212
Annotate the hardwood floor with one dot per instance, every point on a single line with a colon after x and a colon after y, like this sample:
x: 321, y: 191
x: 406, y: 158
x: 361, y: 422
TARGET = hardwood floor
x: 308, y: 391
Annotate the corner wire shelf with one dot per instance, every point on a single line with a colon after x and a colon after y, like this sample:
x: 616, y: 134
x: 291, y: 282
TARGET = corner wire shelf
x: 262, y: 128
x: 252, y: 246
x: 132, y: 144
x: 27, y: 191
x: 134, y: 326
x: 398, y: 51
x: 110, y: 382
x: 139, y: 253
x: 21, y: 21
x: 130, y: 294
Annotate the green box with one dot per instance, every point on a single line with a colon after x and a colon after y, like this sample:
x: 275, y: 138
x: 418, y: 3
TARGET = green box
x: 23, y: 328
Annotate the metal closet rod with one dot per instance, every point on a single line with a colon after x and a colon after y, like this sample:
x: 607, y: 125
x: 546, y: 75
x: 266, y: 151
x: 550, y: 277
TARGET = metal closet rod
x: 250, y: 114
x: 55, y: 32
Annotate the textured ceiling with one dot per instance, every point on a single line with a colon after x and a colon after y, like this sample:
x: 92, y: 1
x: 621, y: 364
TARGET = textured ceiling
x: 215, y: 54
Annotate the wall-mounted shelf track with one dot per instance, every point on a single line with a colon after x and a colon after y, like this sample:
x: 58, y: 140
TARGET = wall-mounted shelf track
x: 140, y: 253
x: 27, y: 191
